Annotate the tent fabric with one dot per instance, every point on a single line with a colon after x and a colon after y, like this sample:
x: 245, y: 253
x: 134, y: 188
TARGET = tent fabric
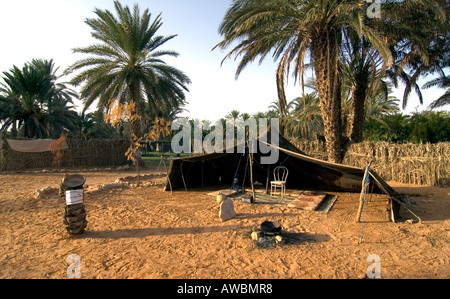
x: 36, y: 145
x: 305, y: 172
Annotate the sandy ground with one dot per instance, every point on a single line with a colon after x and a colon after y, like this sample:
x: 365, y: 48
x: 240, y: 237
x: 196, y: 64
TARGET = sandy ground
x: 143, y: 232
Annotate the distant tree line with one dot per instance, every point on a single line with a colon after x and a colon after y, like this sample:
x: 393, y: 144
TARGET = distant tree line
x: 419, y: 127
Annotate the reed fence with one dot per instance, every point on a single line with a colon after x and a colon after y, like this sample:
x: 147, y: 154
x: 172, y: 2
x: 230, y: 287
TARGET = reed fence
x: 84, y: 153
x: 421, y: 164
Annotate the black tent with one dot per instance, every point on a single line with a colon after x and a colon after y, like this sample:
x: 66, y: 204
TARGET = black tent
x: 305, y: 172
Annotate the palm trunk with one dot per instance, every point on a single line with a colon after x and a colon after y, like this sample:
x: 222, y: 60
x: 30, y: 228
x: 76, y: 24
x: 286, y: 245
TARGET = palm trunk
x: 135, y: 120
x: 326, y: 65
x: 30, y: 130
x: 358, y: 112
x: 135, y: 127
x: 14, y: 129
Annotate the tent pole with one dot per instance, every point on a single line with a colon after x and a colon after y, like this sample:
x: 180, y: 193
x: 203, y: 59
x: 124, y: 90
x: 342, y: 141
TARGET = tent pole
x: 268, y: 179
x: 168, y: 177
x: 182, y: 176
x: 245, y: 176
x: 361, y: 196
x: 251, y: 174
x: 203, y: 161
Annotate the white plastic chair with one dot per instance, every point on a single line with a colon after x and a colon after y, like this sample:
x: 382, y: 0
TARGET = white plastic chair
x: 280, y: 174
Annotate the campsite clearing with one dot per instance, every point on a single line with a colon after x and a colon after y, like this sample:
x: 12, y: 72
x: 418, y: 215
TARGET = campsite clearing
x: 144, y: 232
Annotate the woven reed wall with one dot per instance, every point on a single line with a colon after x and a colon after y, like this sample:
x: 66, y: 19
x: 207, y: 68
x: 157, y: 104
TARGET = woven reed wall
x: 93, y: 152
x: 97, y: 152
x: 421, y: 164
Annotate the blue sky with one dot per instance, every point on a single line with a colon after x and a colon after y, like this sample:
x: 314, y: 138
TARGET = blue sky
x: 50, y: 29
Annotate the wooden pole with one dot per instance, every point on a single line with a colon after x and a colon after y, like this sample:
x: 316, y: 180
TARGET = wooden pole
x: 268, y: 179
x: 245, y: 175
x: 251, y: 175
x: 361, y: 196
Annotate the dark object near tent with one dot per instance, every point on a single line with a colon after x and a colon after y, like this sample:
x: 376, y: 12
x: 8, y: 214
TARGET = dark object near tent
x: 271, y: 227
x: 305, y: 172
x: 71, y: 189
x: 73, y: 181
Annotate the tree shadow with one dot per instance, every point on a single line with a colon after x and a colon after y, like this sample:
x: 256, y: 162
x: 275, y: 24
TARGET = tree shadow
x: 156, y: 231
x: 302, y: 238
x: 290, y: 239
x: 264, y: 215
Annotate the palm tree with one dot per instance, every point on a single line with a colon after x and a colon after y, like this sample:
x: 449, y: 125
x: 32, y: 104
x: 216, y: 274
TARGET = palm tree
x: 83, y: 125
x: 442, y: 82
x: 419, y: 43
x: 294, y: 30
x: 233, y: 115
x: 381, y: 103
x: 289, y: 30
x: 91, y: 125
x: 32, y: 98
x: 158, y: 117
x: 127, y: 65
x: 362, y: 72
x: 60, y: 117
x: 9, y: 110
x: 440, y: 62
x: 304, y: 119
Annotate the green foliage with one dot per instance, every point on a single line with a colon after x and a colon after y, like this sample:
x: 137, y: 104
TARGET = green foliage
x: 92, y: 125
x: 425, y: 126
x: 429, y: 126
x: 126, y: 65
x: 33, y: 103
x: 391, y: 128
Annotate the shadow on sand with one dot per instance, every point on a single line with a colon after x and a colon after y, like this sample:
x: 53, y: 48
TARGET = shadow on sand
x: 243, y: 231
x: 157, y: 231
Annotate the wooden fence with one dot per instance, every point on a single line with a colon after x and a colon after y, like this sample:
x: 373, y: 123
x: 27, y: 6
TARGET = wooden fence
x: 422, y: 164
x: 93, y: 152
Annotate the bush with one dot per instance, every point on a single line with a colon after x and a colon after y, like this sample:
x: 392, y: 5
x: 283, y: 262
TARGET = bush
x: 420, y: 127
x: 429, y: 126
